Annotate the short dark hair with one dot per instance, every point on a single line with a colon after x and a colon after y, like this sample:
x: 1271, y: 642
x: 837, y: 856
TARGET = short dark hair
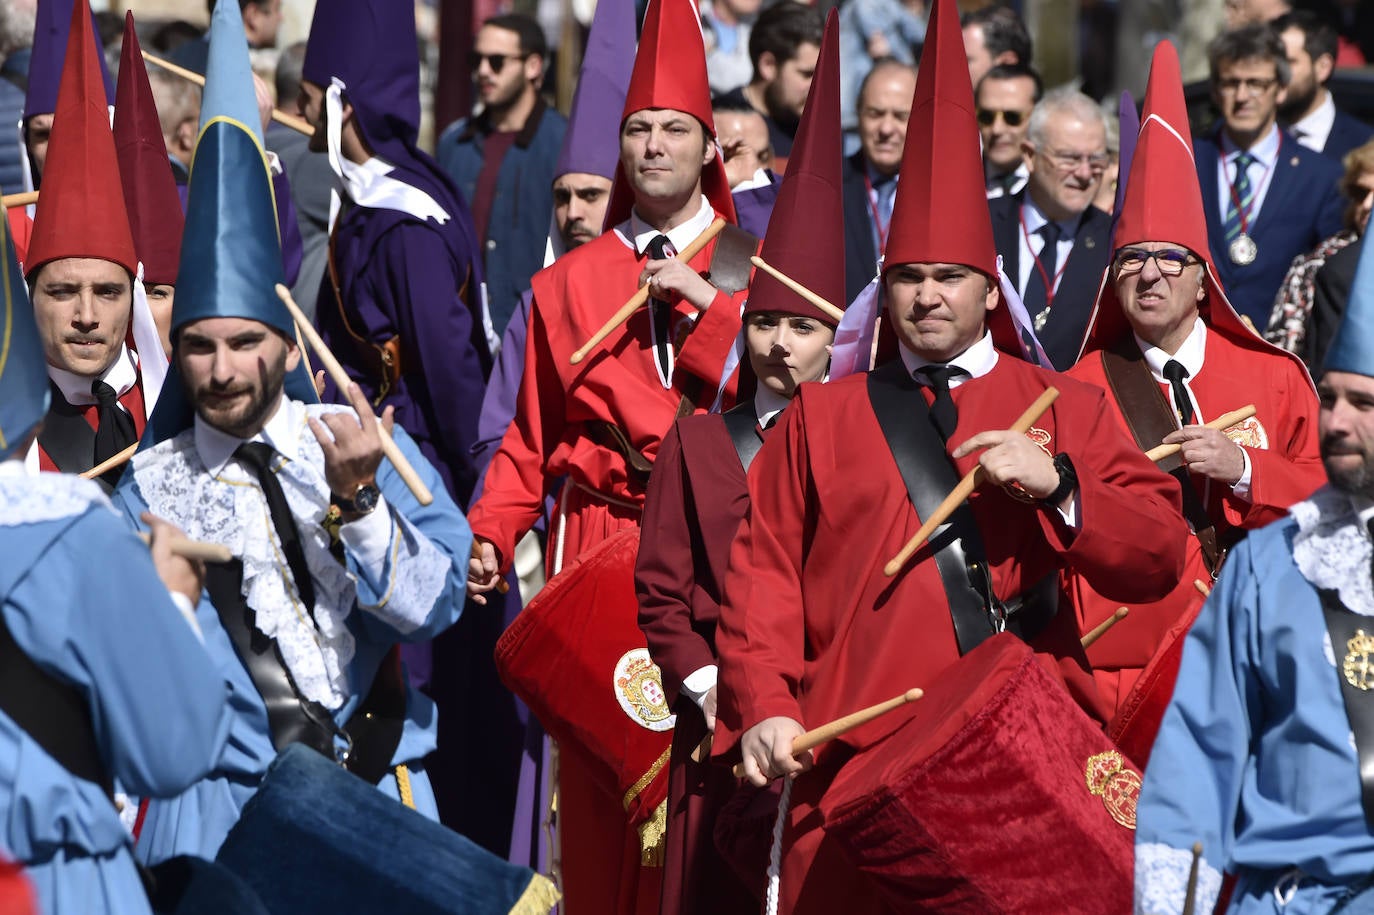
x: 882, y: 63
x: 1013, y: 71
x: 530, y: 32
x: 1003, y: 31
x: 290, y: 64
x: 732, y: 102
x: 1318, y: 35
x: 1249, y: 42
x: 243, y: 5
x: 781, y: 30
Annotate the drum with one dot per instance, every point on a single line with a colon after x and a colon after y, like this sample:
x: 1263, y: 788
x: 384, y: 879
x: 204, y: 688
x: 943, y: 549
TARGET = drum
x: 575, y: 655
x: 999, y: 796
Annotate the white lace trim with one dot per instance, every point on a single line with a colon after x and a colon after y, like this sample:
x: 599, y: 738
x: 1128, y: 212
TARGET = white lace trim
x: 231, y: 510
x: 419, y: 572
x: 1161, y: 880
x: 46, y: 497
x: 1332, y: 549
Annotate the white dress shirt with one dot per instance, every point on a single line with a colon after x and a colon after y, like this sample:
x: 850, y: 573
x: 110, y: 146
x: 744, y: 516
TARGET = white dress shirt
x: 1313, y: 130
x: 1261, y: 172
x: 1032, y: 243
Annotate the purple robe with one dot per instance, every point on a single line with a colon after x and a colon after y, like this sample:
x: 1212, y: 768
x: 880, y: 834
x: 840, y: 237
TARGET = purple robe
x: 754, y: 206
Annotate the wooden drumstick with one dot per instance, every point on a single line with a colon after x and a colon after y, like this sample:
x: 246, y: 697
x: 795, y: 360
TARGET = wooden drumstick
x: 1202, y: 589
x: 298, y: 124
x: 1224, y: 421
x: 110, y: 463
x: 1101, y: 628
x: 187, y: 548
x: 966, y: 486
x: 841, y: 726
x: 642, y: 294
x: 1190, y: 896
x: 502, y: 586
x: 835, y: 313
x: 19, y: 200
x: 336, y: 371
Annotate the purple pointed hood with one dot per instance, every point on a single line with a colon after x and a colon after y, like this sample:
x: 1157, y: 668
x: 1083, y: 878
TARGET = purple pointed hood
x: 49, y: 50
x: 592, y: 144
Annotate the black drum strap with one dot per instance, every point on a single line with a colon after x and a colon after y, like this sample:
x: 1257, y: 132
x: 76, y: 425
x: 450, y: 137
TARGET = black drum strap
x: 1352, y: 641
x: 742, y: 424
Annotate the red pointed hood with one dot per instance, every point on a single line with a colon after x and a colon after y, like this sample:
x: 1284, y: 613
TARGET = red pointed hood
x: 81, y: 210
x: 150, y: 191
x: 670, y: 72
x: 805, y: 238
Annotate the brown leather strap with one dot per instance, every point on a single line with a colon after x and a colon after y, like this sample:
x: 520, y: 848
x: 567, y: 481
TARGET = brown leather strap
x: 380, y: 360
x: 1150, y: 419
x: 730, y: 266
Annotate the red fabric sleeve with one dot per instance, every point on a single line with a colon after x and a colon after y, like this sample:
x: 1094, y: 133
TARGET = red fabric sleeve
x: 1288, y: 471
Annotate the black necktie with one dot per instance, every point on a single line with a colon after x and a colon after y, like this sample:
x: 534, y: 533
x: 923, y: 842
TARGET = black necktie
x: 943, y: 413
x: 257, y: 457
x: 1175, y: 372
x: 114, y: 429
x: 1038, y: 296
x: 662, y: 312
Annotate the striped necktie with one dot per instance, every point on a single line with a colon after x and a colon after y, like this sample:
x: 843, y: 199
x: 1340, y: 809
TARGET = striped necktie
x: 1241, y: 193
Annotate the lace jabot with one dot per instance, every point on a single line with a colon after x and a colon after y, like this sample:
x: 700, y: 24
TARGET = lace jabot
x: 1332, y: 548
x: 46, y: 497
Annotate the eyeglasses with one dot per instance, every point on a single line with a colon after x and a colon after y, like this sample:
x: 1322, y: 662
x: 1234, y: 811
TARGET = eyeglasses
x: 1068, y: 161
x: 1169, y: 261
x: 495, y: 61
x: 988, y: 116
x: 1254, y: 85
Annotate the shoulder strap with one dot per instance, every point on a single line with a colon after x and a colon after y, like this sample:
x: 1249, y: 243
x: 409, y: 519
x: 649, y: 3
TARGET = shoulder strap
x: 729, y: 270
x: 742, y: 424
x: 1352, y: 641
x: 53, y: 712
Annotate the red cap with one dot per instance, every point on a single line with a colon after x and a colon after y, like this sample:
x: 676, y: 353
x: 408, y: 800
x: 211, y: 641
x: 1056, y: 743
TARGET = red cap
x: 1163, y: 203
x: 670, y: 72
x: 81, y: 209
x: 805, y: 238
x: 154, y: 213
x: 941, y: 212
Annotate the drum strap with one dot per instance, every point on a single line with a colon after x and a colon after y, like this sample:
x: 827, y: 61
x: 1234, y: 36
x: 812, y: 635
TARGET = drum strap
x: 53, y: 712
x: 373, y: 731
x: 1352, y: 640
x: 743, y: 425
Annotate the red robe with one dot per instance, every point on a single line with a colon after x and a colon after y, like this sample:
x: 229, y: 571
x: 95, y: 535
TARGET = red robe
x: 812, y: 629
x: 550, y: 438
x: 697, y: 497
x: 1285, y: 467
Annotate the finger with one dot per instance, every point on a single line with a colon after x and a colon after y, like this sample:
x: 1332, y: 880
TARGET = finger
x: 981, y: 440
x: 806, y: 761
x: 361, y: 406
x: 324, y: 438
x: 389, y: 419
x: 1176, y: 437
x: 319, y: 383
x: 752, y: 771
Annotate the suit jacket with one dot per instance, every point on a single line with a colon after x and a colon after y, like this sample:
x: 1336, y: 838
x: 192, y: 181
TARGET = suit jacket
x: 1346, y: 133
x: 1073, y: 302
x: 1330, y: 291
x: 860, y: 253
x: 1302, y: 206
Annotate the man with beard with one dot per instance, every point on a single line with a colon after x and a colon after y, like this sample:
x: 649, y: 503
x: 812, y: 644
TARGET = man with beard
x: 1308, y: 111
x: 1264, y: 756
x: 783, y: 47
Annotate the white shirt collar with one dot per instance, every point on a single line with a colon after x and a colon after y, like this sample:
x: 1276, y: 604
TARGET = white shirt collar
x: 1265, y: 150
x: 1190, y: 354
x: 757, y: 180
x: 1316, y: 127
x: 121, y: 375
x: 641, y: 233
x: 1035, y: 218
x: 281, y: 431
x: 977, y: 360
x: 13, y: 467
x: 768, y: 404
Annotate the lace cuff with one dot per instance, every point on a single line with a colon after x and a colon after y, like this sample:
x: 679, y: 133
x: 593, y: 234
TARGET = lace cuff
x: 414, y: 578
x: 1332, y: 548
x: 1161, y: 880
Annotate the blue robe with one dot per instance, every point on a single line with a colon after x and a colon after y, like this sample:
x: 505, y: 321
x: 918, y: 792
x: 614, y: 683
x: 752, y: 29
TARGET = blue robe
x: 82, y: 598
x: 1255, y: 758
x: 418, y: 593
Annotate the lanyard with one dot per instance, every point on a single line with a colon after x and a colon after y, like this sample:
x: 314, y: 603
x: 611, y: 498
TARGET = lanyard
x: 872, y: 198
x: 1050, y: 287
x: 1243, y: 214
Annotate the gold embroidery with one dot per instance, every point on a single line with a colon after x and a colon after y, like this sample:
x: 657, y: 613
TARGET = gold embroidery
x: 1358, y: 666
x: 1108, y: 776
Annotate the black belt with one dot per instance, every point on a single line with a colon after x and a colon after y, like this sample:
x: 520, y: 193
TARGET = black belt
x: 1352, y: 641
x: 742, y: 424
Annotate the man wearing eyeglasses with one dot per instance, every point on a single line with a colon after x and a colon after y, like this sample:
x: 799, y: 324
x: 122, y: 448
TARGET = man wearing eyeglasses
x: 1054, y: 243
x: 1268, y: 198
x: 503, y: 158
x: 1004, y: 99
x: 1173, y: 355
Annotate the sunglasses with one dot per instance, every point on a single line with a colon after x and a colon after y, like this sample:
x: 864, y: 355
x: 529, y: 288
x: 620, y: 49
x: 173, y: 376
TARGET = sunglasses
x: 494, y: 61
x: 988, y: 116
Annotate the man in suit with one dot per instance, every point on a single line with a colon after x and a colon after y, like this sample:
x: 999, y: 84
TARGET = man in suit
x: 1005, y: 98
x: 1268, y: 198
x: 870, y: 175
x: 1054, y: 243
x: 1308, y: 110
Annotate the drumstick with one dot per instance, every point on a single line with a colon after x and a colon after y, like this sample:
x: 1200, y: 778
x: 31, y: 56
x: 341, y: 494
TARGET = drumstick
x: 19, y: 200
x: 1203, y: 589
x: 1101, y: 628
x: 187, y: 548
x: 502, y: 586
x: 841, y: 726
x: 1190, y: 897
x: 835, y: 313
x: 110, y: 463
x: 281, y: 117
x: 642, y: 294
x: 1224, y: 421
x: 336, y: 371
x: 966, y: 486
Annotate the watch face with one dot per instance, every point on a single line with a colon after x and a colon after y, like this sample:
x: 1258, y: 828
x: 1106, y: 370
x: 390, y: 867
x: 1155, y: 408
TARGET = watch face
x: 365, y: 499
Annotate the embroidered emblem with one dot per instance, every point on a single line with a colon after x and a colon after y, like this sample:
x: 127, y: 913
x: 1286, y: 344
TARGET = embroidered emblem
x: 639, y: 690
x: 1040, y: 437
x: 1249, y: 434
x: 1358, y: 666
x: 1109, y: 777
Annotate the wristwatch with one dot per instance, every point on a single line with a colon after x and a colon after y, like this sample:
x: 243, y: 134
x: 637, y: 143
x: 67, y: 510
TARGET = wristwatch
x: 364, y: 500
x: 1068, y: 481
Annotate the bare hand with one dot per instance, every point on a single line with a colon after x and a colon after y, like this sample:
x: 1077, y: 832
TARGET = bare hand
x: 319, y: 383
x: 1209, y: 452
x: 483, y: 571
x: 353, y: 452
x: 671, y: 279
x: 708, y: 708
x: 878, y: 47
x: 178, y: 574
x: 767, y: 750
x: 1012, y: 460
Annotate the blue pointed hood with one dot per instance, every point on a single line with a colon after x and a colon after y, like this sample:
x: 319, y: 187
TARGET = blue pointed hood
x: 24, y: 389
x: 1352, y: 347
